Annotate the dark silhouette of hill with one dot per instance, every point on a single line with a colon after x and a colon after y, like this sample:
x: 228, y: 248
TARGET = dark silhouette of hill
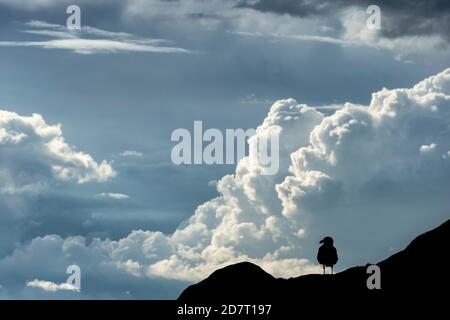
x: 416, y: 273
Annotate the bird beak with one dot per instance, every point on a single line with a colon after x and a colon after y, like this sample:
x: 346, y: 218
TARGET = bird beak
x: 321, y: 241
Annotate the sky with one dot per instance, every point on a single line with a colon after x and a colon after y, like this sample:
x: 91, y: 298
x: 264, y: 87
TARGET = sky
x: 86, y: 117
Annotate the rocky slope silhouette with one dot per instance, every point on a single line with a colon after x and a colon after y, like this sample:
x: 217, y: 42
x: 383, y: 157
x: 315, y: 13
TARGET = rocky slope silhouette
x: 418, y: 271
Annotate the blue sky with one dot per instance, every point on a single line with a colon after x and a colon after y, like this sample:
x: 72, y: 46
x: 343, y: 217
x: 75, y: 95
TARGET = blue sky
x: 222, y: 62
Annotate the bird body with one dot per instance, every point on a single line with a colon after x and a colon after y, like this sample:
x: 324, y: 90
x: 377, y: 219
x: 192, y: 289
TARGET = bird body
x: 327, y: 255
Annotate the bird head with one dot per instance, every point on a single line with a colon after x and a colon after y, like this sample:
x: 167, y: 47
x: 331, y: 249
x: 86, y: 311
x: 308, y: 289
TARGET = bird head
x: 327, y: 241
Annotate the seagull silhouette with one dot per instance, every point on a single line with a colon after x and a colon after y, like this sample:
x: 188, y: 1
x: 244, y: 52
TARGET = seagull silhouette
x: 327, y: 255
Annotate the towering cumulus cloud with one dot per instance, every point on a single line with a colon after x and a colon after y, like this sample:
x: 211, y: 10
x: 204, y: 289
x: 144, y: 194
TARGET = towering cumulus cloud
x: 350, y: 174
x: 363, y: 169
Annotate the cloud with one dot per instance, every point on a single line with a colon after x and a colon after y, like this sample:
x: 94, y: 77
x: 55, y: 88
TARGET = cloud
x: 91, y: 46
x: 108, y: 269
x: 333, y: 106
x: 30, y: 140
x: 428, y: 148
x: 400, y: 18
x: 29, y: 5
x: 349, y: 174
x: 131, y: 153
x: 299, y: 37
x: 407, y: 27
x: 51, y: 286
x: 354, y: 30
x: 87, y: 41
x: 349, y: 29
x: 252, y: 99
x: 36, y: 166
x: 115, y: 196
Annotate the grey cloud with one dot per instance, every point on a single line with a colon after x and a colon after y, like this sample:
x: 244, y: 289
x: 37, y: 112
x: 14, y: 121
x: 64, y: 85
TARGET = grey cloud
x: 399, y: 18
x: 293, y: 7
x: 101, y: 277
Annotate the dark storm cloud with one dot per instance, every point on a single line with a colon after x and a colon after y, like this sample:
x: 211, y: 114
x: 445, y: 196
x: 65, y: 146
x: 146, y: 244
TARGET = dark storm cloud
x: 399, y: 18
x: 99, y: 13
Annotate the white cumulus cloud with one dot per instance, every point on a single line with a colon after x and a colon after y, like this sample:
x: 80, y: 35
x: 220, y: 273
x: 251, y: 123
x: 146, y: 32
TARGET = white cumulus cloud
x: 30, y: 140
x: 428, y: 148
x: 51, y: 286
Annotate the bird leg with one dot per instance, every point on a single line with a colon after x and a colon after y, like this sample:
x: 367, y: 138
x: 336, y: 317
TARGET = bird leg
x: 323, y: 268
